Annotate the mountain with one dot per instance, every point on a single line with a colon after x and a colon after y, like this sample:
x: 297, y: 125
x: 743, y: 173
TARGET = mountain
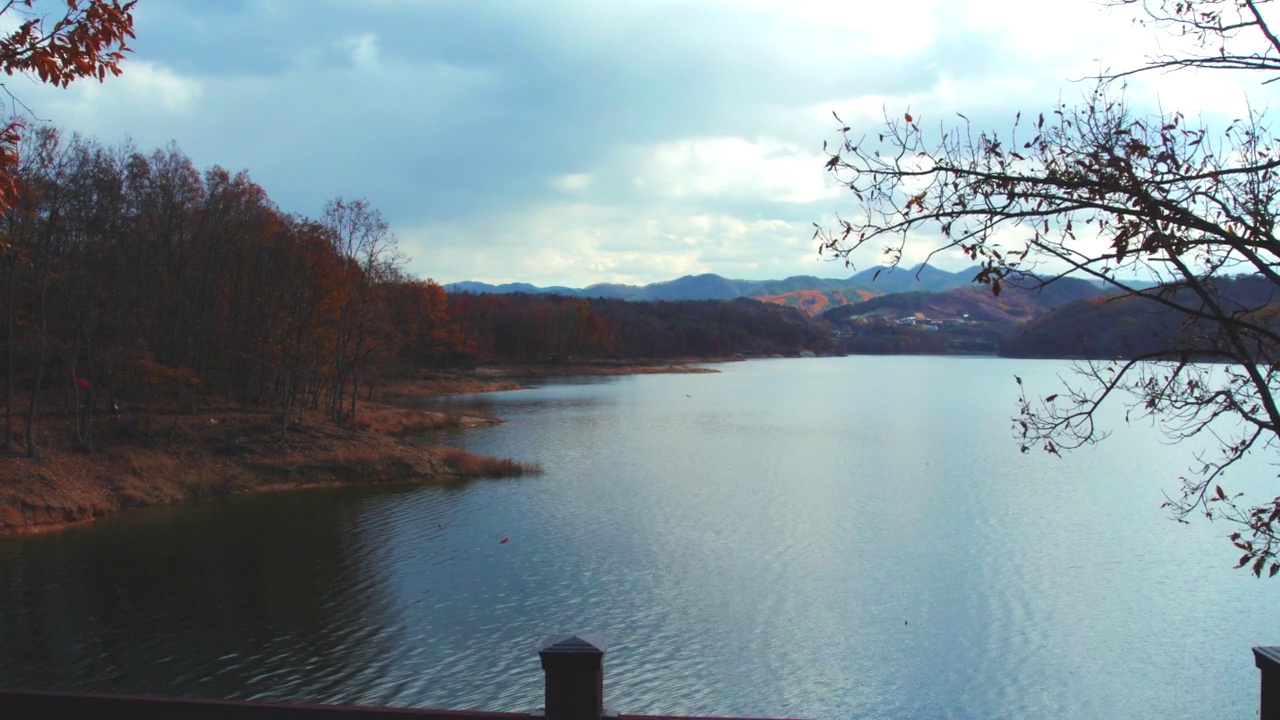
x: 695, y: 287
x: 607, y: 290
x: 801, y: 291
x: 506, y: 288
x: 921, y: 278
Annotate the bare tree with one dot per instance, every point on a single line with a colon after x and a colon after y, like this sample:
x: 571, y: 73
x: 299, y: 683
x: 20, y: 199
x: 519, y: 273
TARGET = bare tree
x: 364, y: 241
x: 1099, y: 190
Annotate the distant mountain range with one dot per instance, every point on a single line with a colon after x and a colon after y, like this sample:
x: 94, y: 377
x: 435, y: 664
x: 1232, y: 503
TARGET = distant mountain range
x: 811, y: 294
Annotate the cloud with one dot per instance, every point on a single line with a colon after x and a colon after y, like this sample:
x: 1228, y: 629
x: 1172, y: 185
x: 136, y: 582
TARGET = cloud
x: 573, y: 182
x: 727, y: 167
x: 578, y: 141
x: 147, y: 89
x: 582, y: 244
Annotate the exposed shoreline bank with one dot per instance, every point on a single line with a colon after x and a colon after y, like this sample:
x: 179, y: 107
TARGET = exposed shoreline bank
x: 146, y: 459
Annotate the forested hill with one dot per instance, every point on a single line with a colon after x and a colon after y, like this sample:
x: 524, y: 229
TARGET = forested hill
x: 973, y: 302
x: 1122, y: 327
x: 968, y: 319
x: 522, y: 327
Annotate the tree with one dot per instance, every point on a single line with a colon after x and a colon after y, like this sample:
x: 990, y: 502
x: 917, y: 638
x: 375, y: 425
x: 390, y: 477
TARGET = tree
x: 363, y: 239
x: 87, y: 41
x: 1104, y: 191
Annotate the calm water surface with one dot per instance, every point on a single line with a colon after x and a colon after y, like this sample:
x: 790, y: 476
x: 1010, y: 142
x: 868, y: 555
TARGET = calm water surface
x: 827, y: 538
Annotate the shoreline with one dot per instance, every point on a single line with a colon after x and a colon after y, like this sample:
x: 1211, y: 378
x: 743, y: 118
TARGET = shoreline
x: 151, y: 458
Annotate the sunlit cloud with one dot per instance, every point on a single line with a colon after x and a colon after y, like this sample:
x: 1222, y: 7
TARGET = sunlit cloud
x: 542, y: 244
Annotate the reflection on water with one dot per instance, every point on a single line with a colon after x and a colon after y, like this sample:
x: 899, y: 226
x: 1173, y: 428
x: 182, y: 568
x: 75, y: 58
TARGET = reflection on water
x: 836, y: 538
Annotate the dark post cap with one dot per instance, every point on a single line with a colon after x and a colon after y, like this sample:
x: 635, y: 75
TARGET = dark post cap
x: 573, y: 643
x: 572, y: 651
x: 1266, y: 657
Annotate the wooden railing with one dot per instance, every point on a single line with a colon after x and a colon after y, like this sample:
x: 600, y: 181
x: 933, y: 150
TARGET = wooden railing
x: 1268, y: 661
x: 573, y: 665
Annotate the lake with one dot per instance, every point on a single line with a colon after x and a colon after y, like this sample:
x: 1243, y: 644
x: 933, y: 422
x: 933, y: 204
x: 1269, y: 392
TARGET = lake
x: 828, y: 538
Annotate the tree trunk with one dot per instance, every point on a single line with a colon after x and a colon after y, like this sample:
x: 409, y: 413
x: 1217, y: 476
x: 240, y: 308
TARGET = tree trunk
x: 33, y: 451
x: 355, y: 392
x: 8, y: 352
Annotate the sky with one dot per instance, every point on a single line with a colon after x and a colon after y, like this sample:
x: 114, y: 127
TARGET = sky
x: 572, y: 142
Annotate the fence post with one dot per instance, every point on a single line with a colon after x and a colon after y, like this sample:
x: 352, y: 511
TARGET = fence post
x: 1268, y: 661
x: 574, y: 666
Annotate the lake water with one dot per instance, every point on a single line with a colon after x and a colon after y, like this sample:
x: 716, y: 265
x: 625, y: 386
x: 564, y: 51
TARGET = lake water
x: 828, y: 538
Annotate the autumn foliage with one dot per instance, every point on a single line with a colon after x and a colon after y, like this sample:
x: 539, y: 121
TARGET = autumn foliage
x: 154, y: 282
x: 87, y: 41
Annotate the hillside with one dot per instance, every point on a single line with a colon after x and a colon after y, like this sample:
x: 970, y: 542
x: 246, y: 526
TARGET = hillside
x: 1121, y: 327
x: 522, y: 327
x: 974, y: 303
x: 539, y: 327
x: 816, y: 302
x: 968, y: 319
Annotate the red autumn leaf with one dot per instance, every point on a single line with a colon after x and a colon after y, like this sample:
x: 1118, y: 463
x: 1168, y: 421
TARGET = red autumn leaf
x: 503, y: 541
x: 908, y: 117
x: 83, y: 384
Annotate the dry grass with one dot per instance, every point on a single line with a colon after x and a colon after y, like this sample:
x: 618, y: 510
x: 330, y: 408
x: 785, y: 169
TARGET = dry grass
x: 599, y: 367
x: 433, y: 384
x: 471, y: 464
x: 405, y: 421
x: 494, y: 378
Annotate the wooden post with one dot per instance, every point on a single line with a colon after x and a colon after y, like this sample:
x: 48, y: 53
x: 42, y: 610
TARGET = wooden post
x: 1268, y: 661
x: 574, y: 666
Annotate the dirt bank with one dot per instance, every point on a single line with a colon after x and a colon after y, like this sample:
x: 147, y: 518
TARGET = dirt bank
x: 143, y: 458
x: 603, y: 367
x: 496, y: 378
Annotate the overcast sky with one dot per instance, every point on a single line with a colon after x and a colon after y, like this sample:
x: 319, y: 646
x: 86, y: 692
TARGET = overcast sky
x: 570, y: 142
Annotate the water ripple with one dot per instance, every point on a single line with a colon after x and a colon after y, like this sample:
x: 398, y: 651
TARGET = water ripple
x: 827, y: 539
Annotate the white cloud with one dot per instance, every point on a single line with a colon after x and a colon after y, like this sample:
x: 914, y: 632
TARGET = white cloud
x: 572, y: 182
x: 840, y: 27
x: 147, y: 88
x: 766, y: 170
x: 363, y: 50
x: 582, y: 244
